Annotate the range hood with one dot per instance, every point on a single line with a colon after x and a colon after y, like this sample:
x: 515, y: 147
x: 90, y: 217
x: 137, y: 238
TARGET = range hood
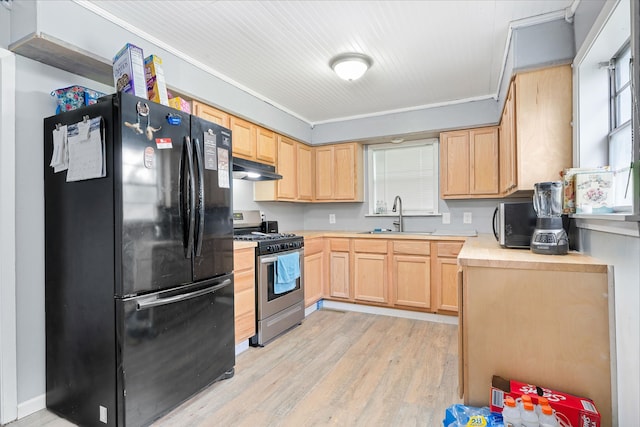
x: 253, y: 171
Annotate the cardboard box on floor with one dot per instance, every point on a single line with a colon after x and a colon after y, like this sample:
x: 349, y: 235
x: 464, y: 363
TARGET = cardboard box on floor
x: 579, y: 411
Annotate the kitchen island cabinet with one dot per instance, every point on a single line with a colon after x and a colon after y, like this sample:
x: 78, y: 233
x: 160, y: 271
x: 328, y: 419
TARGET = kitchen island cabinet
x: 244, y: 290
x: 541, y: 319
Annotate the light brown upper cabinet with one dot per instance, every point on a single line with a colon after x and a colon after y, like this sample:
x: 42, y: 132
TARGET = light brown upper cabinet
x: 507, y: 134
x: 243, y: 137
x: 469, y: 163
x: 339, y: 175
x: 214, y: 115
x: 265, y: 146
x: 305, y: 172
x: 285, y: 189
x: 541, y: 123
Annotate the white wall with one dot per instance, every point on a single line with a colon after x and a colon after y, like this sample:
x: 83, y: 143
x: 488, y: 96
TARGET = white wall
x: 34, y: 82
x: 623, y: 253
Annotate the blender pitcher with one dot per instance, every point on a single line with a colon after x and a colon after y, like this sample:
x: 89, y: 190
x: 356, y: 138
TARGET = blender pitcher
x: 549, y: 236
x: 547, y: 199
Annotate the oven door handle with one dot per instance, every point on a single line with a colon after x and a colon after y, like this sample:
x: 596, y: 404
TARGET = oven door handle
x: 268, y: 260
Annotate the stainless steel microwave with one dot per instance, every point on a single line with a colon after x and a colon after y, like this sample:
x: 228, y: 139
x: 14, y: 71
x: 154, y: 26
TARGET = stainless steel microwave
x: 513, y: 224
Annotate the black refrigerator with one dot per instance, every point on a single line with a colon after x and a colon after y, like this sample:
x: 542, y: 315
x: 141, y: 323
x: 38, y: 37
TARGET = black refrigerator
x: 138, y: 260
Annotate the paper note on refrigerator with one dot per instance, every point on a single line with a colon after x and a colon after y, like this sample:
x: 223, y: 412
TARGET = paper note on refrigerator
x: 86, y: 150
x: 223, y: 168
x: 59, y: 157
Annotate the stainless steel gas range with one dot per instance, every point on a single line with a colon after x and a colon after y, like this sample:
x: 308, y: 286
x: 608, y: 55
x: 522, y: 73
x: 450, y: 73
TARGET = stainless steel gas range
x: 278, y: 309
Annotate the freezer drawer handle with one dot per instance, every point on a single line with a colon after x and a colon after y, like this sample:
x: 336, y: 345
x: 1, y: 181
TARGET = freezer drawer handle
x: 143, y: 305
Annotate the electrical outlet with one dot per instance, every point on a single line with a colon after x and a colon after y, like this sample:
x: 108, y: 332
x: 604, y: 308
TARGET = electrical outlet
x: 466, y: 218
x: 332, y: 218
x: 103, y: 414
x: 262, y: 216
x: 446, y: 218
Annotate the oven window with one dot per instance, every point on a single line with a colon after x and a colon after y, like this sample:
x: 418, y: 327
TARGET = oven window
x: 271, y: 279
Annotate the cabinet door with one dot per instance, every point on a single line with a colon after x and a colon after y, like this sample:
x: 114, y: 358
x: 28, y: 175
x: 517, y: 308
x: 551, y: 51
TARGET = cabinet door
x: 287, y: 186
x: 313, y: 278
x: 265, y: 145
x: 483, y: 165
x: 305, y: 172
x: 412, y: 281
x: 324, y: 173
x: 244, y: 294
x: 244, y: 138
x: 212, y: 114
x: 445, y: 277
x: 344, y: 183
x: 339, y: 275
x: 507, y: 144
x: 454, y: 163
x: 370, y: 277
x: 543, y: 124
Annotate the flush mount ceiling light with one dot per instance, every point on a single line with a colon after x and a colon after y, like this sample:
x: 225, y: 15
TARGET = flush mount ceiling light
x: 350, y: 66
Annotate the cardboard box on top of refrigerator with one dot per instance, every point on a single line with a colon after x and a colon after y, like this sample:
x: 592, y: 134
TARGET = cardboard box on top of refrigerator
x: 180, y: 104
x: 578, y: 411
x: 128, y: 71
x: 156, y: 84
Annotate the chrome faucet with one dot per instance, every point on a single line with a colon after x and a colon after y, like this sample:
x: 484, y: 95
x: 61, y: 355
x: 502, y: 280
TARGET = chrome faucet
x: 397, y: 202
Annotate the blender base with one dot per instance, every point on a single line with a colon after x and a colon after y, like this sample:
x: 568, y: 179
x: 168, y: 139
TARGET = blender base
x: 549, y: 237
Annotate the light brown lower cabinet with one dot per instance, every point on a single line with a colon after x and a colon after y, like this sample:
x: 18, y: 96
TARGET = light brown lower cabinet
x: 445, y: 272
x: 244, y: 293
x: 419, y: 275
x: 314, y: 270
x: 370, y: 271
x: 339, y: 271
x: 411, y: 274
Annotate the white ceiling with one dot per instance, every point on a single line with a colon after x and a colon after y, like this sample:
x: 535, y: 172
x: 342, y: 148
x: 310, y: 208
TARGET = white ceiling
x: 424, y: 53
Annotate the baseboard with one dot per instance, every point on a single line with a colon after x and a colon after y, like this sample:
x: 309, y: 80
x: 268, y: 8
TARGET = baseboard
x: 242, y: 347
x: 383, y: 311
x: 32, y: 406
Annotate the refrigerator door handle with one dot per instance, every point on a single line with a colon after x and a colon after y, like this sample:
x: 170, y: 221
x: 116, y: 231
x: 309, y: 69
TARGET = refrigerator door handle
x: 200, y: 198
x: 192, y: 198
x: 154, y: 301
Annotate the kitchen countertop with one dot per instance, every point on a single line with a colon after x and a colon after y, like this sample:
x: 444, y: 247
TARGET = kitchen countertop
x: 310, y: 234
x: 241, y: 244
x: 484, y: 251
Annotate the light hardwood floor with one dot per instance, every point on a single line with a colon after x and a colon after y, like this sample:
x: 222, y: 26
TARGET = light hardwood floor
x: 336, y: 369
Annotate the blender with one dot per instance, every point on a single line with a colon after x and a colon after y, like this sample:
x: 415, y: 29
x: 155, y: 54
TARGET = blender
x: 549, y: 236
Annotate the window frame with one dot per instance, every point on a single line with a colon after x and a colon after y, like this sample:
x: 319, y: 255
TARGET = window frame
x: 371, y: 148
x: 616, y: 127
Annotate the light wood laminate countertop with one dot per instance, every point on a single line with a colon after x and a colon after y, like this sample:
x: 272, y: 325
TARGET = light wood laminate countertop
x: 310, y: 234
x: 484, y: 251
x: 241, y: 244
